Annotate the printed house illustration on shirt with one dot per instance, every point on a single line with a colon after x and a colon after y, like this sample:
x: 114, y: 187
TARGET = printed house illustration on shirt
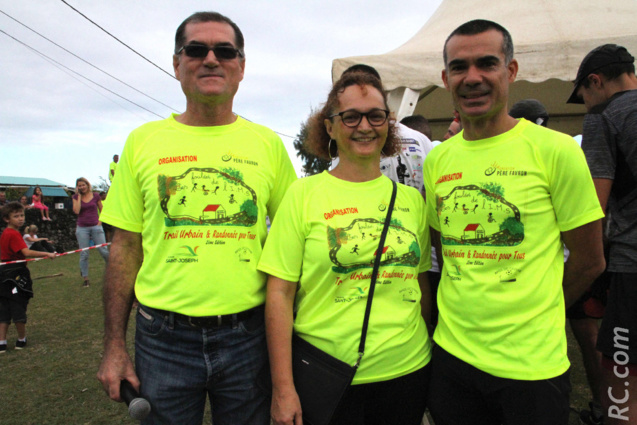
x: 473, y: 231
x: 479, y: 215
x: 207, y: 197
x: 213, y: 212
x: 388, y: 253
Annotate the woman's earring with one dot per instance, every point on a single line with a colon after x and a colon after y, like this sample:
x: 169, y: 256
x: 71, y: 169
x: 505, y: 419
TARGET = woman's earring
x: 329, y: 149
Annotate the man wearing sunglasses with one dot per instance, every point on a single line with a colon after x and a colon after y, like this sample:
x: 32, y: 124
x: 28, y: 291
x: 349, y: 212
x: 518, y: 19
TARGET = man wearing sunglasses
x: 200, y: 330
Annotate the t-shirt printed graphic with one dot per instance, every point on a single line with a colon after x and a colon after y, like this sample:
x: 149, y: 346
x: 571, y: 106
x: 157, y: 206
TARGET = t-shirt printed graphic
x: 348, y: 245
x: 500, y: 205
x: 326, y: 238
x: 199, y: 197
x: 479, y: 215
x: 207, y: 196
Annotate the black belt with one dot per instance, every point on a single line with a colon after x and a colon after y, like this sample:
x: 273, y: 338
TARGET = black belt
x: 210, y: 321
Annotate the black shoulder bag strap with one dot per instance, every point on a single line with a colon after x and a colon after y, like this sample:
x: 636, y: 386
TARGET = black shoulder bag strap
x: 379, y: 254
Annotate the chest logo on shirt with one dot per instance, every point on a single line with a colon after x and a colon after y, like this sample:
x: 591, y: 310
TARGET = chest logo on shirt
x: 181, y: 158
x: 409, y: 295
x: 508, y: 274
x: 449, y: 177
x: 499, y: 170
x: 408, y: 141
x: 185, y: 254
x: 356, y: 246
x: 207, y: 197
x: 340, y: 211
x: 244, y: 254
x: 238, y: 159
x: 479, y: 215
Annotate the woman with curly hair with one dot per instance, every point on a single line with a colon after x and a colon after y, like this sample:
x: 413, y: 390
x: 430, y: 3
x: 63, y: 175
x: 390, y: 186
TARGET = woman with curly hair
x: 320, y: 254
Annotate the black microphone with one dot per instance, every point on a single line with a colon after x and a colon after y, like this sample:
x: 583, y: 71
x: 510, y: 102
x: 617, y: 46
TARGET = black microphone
x: 138, y: 408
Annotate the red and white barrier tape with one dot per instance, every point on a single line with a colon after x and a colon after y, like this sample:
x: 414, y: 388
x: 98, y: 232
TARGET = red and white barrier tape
x: 57, y: 255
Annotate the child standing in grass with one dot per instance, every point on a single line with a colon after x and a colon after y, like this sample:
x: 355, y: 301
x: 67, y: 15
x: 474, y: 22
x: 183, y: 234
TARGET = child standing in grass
x: 16, y: 287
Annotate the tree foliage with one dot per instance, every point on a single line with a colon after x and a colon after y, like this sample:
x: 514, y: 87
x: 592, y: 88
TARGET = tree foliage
x: 415, y: 248
x: 234, y: 173
x: 250, y: 208
x: 332, y: 239
x: 166, y: 185
x: 102, y: 186
x: 514, y: 227
x: 311, y: 163
x: 495, y: 190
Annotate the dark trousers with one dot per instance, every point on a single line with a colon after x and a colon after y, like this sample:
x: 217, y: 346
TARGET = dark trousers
x: 618, y: 332
x: 461, y: 394
x: 42, y: 246
x: 400, y: 401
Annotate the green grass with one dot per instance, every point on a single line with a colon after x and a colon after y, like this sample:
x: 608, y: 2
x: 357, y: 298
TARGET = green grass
x: 53, y: 380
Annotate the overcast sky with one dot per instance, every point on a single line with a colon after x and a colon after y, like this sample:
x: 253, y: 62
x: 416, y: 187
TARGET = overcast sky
x: 57, y: 125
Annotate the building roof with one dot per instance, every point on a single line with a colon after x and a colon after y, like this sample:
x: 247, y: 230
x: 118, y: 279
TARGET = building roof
x: 471, y: 227
x: 212, y: 208
x: 8, y: 181
x: 49, y: 188
x: 53, y: 192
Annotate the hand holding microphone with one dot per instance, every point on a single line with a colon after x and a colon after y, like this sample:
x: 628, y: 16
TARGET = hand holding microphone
x: 138, y: 408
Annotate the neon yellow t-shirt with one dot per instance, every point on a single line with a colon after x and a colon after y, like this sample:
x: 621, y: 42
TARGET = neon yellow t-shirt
x: 500, y: 205
x: 199, y: 197
x: 111, y: 171
x: 325, y: 237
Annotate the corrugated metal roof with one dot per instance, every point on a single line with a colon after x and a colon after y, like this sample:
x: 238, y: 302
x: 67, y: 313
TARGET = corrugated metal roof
x: 54, y: 192
x: 28, y: 181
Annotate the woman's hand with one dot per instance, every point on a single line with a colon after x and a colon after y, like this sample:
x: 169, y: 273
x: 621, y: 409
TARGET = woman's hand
x: 286, y: 408
x: 77, y: 203
x: 279, y: 304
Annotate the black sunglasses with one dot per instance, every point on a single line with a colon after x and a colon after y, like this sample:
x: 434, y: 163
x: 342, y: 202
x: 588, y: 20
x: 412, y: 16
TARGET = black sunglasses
x: 222, y: 52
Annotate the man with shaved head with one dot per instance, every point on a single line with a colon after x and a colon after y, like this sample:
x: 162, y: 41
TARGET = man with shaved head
x: 501, y: 195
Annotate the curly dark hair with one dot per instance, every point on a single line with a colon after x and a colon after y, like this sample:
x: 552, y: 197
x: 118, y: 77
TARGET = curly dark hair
x: 317, y: 142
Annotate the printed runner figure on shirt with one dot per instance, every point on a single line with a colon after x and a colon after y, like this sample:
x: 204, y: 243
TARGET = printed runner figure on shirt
x: 230, y: 211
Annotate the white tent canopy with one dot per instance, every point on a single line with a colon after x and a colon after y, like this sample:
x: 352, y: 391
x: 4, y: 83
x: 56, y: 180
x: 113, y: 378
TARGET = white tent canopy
x: 550, y: 37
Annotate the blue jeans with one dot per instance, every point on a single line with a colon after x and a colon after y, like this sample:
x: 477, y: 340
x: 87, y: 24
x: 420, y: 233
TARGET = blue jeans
x: 84, y: 236
x: 180, y: 365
